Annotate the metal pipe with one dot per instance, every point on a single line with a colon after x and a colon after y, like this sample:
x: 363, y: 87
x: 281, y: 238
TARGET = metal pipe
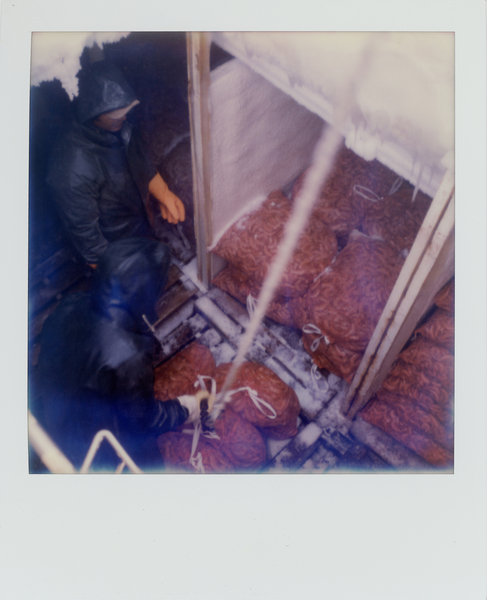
x: 104, y: 434
x: 47, y: 450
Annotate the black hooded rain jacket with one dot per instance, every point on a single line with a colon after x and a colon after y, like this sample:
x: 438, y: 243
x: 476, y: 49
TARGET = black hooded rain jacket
x: 95, y: 367
x: 100, y: 179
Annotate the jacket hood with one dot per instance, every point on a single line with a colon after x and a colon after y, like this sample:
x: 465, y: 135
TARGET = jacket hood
x: 102, y: 88
x: 130, y: 278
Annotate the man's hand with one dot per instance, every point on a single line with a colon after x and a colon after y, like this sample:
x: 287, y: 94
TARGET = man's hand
x: 172, y: 209
x: 193, y: 404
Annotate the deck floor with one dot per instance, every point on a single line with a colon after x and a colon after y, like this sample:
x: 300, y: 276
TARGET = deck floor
x: 326, y: 442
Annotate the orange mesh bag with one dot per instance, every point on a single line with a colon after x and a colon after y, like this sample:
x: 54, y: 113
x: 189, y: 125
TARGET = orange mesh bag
x: 439, y: 328
x: 251, y: 243
x: 436, y: 361
x: 178, y: 375
x: 423, y: 421
x: 270, y: 404
x: 332, y: 357
x: 338, y: 205
x: 237, y: 446
x: 395, y: 424
x: 445, y: 298
x: 440, y: 407
x: 175, y: 448
x: 238, y: 285
x: 396, y: 219
x: 345, y: 302
x: 405, y: 380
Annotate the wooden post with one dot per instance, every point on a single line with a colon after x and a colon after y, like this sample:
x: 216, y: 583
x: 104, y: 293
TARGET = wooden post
x: 198, y: 50
x: 429, y: 265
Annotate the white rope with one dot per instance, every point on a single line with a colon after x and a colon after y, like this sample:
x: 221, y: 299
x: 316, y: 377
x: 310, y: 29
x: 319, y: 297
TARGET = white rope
x: 311, y: 329
x: 316, y: 376
x: 196, y: 460
x: 197, y: 463
x: 363, y: 191
x: 201, y: 382
x: 259, y: 403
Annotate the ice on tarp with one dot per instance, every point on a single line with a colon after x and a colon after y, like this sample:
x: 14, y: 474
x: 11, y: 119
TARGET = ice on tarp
x: 393, y: 89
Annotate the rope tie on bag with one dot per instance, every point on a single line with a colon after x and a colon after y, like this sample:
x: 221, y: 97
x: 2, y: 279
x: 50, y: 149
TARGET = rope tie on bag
x: 363, y: 191
x: 313, y: 330
x: 316, y: 376
x: 368, y: 194
x: 196, y: 459
x: 395, y: 186
x: 202, y: 384
x: 259, y: 403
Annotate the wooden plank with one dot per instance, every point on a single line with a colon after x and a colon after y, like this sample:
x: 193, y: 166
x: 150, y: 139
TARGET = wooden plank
x: 295, y: 359
x: 174, y: 275
x: 198, y: 51
x: 392, y: 451
x: 174, y: 297
x: 428, y: 267
x: 320, y: 461
x: 181, y: 336
x: 299, y: 449
x: 231, y: 330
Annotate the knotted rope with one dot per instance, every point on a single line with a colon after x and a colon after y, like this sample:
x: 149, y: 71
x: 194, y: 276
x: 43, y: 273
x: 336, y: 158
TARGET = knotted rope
x: 313, y: 330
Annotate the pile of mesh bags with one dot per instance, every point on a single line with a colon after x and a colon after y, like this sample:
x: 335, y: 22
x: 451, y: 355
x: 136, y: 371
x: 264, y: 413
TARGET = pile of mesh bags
x: 250, y: 244
x: 344, y: 196
x: 334, y: 291
x: 260, y: 405
x: 344, y: 304
x: 415, y: 403
x: 396, y: 218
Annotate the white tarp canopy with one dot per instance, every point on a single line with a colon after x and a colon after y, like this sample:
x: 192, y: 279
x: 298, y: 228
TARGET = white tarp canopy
x: 395, y: 90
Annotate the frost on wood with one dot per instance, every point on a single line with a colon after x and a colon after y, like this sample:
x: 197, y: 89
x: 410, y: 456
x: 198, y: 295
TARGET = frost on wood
x: 56, y: 55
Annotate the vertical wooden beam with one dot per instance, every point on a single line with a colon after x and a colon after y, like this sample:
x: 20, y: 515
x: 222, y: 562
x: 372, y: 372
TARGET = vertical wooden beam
x: 429, y: 265
x: 198, y: 50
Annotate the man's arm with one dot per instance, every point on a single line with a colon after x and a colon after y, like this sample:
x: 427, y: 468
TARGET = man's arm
x: 76, y: 189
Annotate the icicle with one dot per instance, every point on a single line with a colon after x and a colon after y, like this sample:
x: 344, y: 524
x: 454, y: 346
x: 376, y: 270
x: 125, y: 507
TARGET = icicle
x: 418, y: 183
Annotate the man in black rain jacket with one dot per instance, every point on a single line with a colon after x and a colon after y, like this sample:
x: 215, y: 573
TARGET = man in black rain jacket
x: 99, y: 172
x: 95, y: 368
